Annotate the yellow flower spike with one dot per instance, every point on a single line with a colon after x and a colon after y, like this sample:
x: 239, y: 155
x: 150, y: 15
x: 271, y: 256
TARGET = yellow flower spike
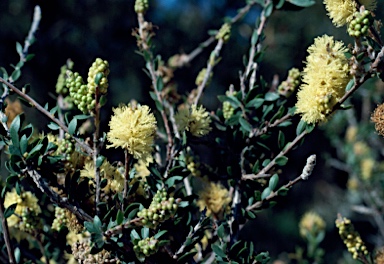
x: 133, y: 130
x: 311, y: 223
x: 195, y: 120
x: 324, y: 79
x: 340, y: 11
x: 215, y: 198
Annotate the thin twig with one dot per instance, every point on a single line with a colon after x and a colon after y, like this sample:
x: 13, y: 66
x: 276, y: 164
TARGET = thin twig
x: 127, y: 158
x: 211, y: 63
x: 46, y: 113
x: 31, y: 34
x: 263, y: 173
x: 7, y: 239
x: 96, y: 148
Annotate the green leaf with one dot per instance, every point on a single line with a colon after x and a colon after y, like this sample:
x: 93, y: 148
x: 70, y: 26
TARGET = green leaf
x: 53, y: 126
x: 15, y: 75
x: 245, y: 125
x: 280, y: 4
x: 17, y: 255
x: 19, y: 49
x: 81, y: 117
x: 103, y: 100
x: 98, y: 77
x: 90, y: 227
x: 145, y: 232
x: 172, y: 180
x: 285, y: 124
x: 350, y: 84
x: 271, y: 96
x: 221, y: 231
x: 160, y: 233
x: 251, y: 215
x: 255, y: 38
x: 159, y: 84
x: 281, y: 140
x: 218, y: 251
x: 5, y: 74
x: 186, y: 256
x: 135, y: 235
x: 282, y: 191
x: 14, y: 131
x: 255, y: 103
x: 265, y: 193
x: 11, y: 180
x: 99, y: 161
x: 281, y: 161
x: 23, y: 144
x: 10, y: 210
x: 119, y: 217
x: 97, y: 222
x: 35, y: 149
x: 300, y: 127
x: 302, y: 3
x: 72, y: 126
x: 268, y: 9
x: 273, y: 182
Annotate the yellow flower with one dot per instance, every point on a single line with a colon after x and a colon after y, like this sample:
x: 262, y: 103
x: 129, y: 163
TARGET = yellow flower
x: 366, y: 166
x: 324, y: 79
x: 134, y: 130
x: 107, y: 171
x: 340, y: 11
x: 195, y: 120
x: 26, y: 202
x: 215, y: 198
x: 311, y: 223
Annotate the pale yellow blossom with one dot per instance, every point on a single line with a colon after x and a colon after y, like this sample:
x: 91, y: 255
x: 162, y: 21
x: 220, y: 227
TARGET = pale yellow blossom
x: 195, y: 120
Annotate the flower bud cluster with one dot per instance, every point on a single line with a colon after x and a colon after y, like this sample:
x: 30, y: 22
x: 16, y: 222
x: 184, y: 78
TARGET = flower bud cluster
x: 60, y: 219
x: 72, y: 223
x: 29, y: 221
x: 287, y: 87
x: 99, y: 66
x: 200, y: 77
x: 146, y: 247
x: 228, y: 109
x: 161, y: 209
x: 83, y: 94
x: 141, y: 6
x: 360, y: 24
x: 66, y: 146
x: 351, y: 238
x: 81, y: 252
x: 192, y: 166
x: 224, y: 32
x: 61, y: 88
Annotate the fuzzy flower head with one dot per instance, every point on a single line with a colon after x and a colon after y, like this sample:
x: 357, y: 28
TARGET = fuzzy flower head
x: 311, y: 223
x: 27, y: 205
x: 340, y: 11
x: 215, y: 198
x: 195, y: 120
x: 324, y: 79
x: 133, y: 130
x: 107, y: 171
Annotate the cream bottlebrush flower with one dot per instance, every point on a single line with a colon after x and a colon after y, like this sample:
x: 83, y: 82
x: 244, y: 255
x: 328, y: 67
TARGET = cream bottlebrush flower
x: 107, y: 171
x: 324, y: 79
x: 195, y: 120
x: 134, y: 130
x: 26, y: 201
x: 214, y: 197
x: 340, y: 11
x: 311, y: 223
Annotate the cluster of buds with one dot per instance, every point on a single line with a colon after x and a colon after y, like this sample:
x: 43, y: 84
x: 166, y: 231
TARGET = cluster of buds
x: 192, y: 166
x: 351, y: 238
x: 360, y: 24
x: 81, y: 252
x: 141, y: 6
x: 60, y: 219
x: 60, y: 84
x: 66, y: 146
x: 83, y: 94
x: 146, y: 247
x: 287, y: 87
x: 200, y: 77
x: 29, y: 222
x: 161, y: 209
x: 326, y: 101
x: 228, y: 109
x: 224, y: 32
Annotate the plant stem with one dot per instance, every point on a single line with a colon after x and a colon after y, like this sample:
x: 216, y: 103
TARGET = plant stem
x: 4, y: 224
x: 96, y: 148
x: 126, y: 176
x: 46, y: 113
